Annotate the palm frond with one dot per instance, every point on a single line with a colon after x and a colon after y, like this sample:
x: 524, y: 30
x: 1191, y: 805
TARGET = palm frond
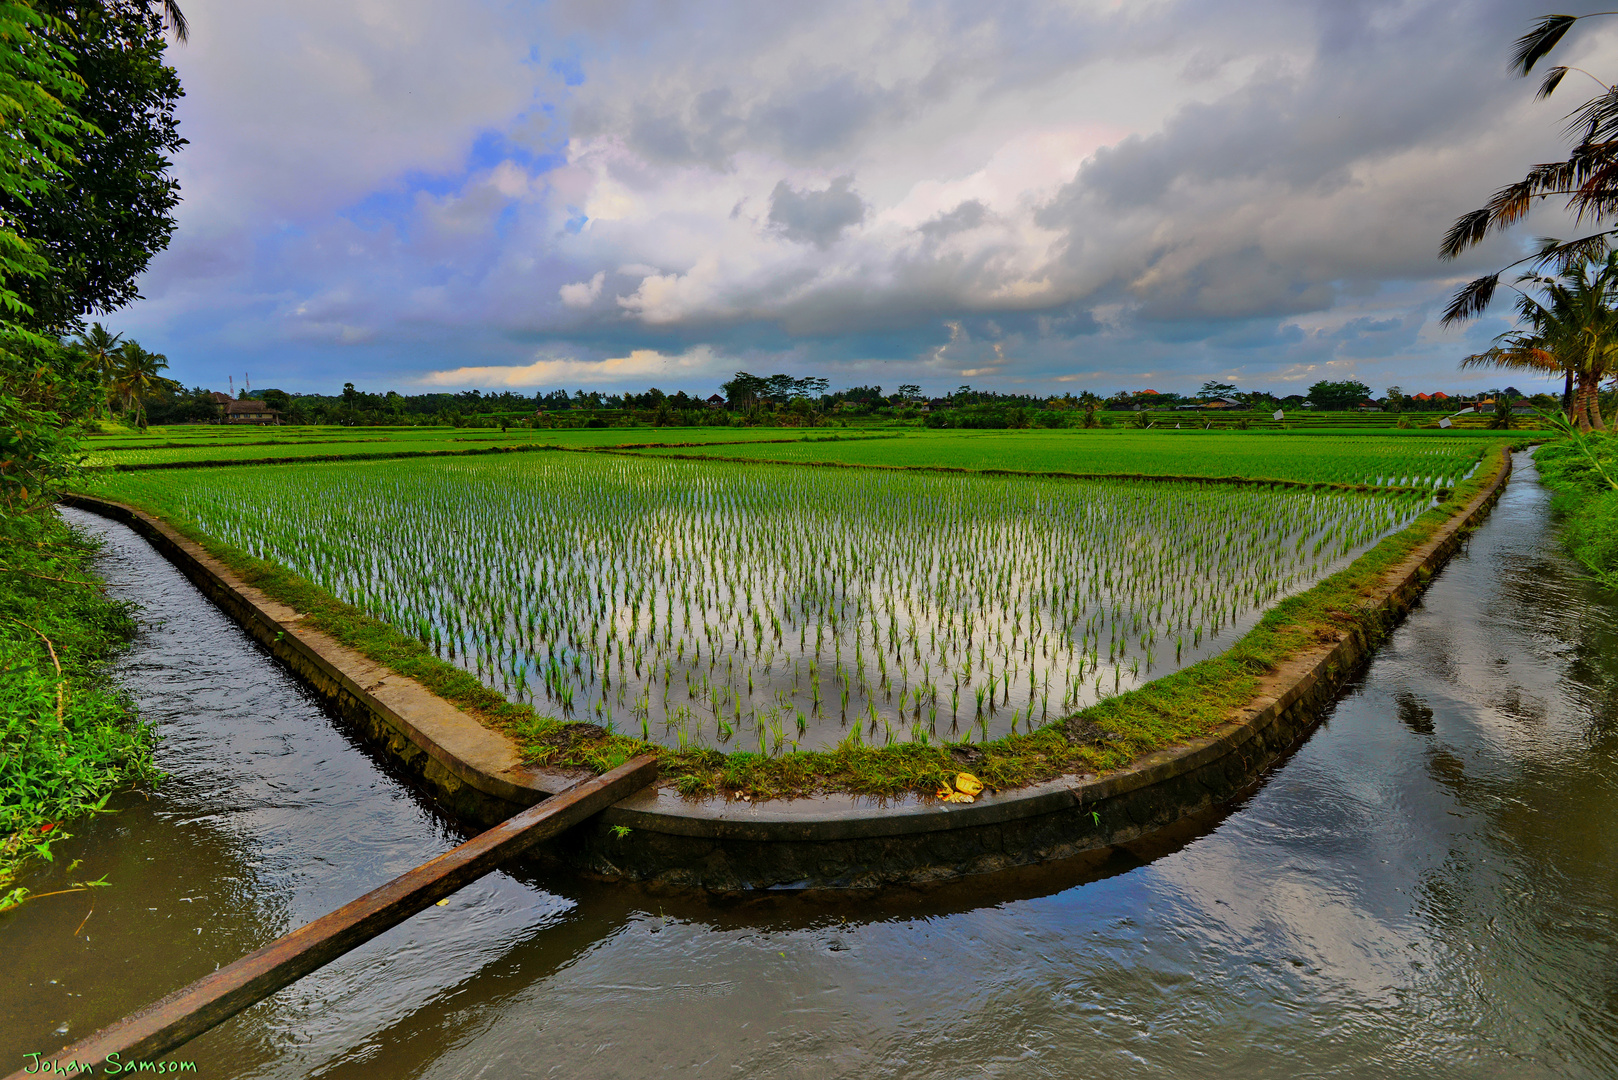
x: 1512, y: 203
x: 1596, y: 196
x: 1596, y: 120
x: 1567, y: 254
x: 175, y: 19
x: 1471, y: 300
x: 1539, y: 40
x: 1469, y: 229
x: 1553, y: 79
x: 1515, y: 359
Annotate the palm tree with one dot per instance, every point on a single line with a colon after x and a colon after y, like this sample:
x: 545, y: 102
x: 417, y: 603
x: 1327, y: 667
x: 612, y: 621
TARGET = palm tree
x: 1573, y: 332
x: 138, y: 375
x: 100, y: 348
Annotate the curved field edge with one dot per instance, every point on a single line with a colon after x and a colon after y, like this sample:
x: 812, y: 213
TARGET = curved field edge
x: 1102, y: 738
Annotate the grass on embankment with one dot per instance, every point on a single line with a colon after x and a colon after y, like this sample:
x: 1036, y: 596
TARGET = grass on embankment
x: 1582, y: 473
x: 68, y: 738
x: 1104, y: 737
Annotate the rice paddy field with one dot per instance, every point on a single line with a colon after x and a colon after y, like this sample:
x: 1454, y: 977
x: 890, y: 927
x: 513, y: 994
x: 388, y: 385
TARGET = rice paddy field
x: 770, y: 607
x: 1405, y: 459
x: 212, y: 443
x: 1414, y: 459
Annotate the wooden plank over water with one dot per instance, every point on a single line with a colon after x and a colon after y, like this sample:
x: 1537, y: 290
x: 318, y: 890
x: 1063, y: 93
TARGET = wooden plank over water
x: 191, y: 1010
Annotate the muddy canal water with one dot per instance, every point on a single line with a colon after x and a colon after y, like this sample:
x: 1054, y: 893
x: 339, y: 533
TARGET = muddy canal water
x: 1427, y: 887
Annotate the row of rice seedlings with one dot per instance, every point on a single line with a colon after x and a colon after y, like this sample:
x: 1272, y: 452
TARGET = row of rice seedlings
x: 770, y: 608
x: 1392, y: 461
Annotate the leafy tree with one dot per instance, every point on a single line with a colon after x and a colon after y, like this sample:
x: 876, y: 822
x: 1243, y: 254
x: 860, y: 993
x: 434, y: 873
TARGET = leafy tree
x: 743, y: 389
x: 37, y: 87
x: 1212, y: 389
x: 45, y: 391
x: 43, y: 387
x: 1338, y: 395
x: 110, y: 210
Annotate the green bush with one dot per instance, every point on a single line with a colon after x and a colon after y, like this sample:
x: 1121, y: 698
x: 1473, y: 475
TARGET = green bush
x: 1580, y: 470
x: 68, y: 737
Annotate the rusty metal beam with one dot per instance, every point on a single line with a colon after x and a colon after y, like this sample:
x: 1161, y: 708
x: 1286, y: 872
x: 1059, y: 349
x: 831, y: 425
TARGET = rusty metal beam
x: 191, y: 1010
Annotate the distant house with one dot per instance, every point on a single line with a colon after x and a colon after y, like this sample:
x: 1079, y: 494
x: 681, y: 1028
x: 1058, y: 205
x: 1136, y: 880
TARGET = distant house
x: 247, y: 411
x: 1439, y: 395
x: 1221, y: 403
x: 219, y: 399
x: 1368, y: 406
x: 715, y: 401
x: 1421, y: 397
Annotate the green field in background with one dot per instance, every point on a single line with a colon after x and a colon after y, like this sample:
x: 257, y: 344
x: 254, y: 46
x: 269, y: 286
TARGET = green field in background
x: 1337, y: 457
x: 171, y: 447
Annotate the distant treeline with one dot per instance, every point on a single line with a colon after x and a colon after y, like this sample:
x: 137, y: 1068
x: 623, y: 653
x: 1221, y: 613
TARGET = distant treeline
x: 752, y: 399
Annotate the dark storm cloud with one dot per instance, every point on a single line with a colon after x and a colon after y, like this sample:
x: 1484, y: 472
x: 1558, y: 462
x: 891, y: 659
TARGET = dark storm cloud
x: 816, y: 217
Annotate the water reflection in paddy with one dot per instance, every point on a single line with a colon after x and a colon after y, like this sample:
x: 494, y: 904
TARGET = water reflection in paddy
x: 1427, y: 887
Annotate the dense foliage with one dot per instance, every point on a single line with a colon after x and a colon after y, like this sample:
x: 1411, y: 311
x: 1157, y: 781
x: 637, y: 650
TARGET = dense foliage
x: 1583, y: 470
x: 110, y: 208
x: 86, y: 109
x: 66, y: 737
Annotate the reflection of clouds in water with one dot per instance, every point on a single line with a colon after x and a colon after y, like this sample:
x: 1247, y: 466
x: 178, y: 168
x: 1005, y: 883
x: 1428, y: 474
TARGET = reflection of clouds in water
x: 1359, y: 916
x: 1277, y: 910
x: 273, y: 815
x: 769, y: 606
x: 1506, y: 678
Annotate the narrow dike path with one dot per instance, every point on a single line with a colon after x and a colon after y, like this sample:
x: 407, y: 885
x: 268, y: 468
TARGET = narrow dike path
x: 1426, y: 886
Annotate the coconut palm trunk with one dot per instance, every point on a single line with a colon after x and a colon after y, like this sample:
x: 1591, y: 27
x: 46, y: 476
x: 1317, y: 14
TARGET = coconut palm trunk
x: 1581, y: 407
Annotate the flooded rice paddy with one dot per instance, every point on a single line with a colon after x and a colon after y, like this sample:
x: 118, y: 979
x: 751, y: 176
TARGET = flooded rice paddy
x: 771, y: 608
x: 1427, y: 887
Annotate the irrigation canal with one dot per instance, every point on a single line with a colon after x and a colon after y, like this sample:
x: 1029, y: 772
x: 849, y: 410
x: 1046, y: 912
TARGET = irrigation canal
x: 1427, y: 887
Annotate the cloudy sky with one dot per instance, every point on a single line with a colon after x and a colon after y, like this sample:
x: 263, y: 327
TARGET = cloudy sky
x: 1032, y: 197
